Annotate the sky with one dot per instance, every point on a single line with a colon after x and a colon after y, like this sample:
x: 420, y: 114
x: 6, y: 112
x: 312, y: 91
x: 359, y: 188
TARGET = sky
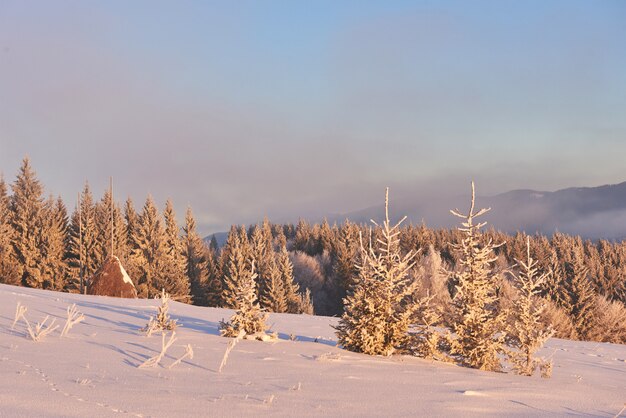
x: 292, y: 109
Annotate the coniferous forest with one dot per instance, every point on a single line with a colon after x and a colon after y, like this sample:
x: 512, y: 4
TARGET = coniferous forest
x: 575, y: 286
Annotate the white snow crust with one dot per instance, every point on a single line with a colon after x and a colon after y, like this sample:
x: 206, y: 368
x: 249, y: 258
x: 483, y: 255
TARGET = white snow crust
x: 93, y: 371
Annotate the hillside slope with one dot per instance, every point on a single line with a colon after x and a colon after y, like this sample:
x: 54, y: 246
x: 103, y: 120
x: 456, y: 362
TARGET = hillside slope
x: 93, y: 371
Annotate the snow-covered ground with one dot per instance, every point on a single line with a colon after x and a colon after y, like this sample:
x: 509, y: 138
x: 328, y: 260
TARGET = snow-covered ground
x: 93, y: 371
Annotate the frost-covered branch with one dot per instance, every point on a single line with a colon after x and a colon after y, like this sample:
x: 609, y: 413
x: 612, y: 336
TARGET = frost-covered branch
x: 230, y: 347
x: 153, y: 361
x: 41, y: 330
x: 73, y: 318
x: 20, y: 310
x: 188, y: 354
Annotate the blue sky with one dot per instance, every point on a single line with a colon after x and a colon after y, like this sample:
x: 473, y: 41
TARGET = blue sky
x: 292, y: 108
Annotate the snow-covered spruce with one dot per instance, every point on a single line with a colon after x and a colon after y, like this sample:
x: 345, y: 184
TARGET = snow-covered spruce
x: 527, y: 334
x: 477, y: 322
x: 248, y: 316
x: 378, y: 313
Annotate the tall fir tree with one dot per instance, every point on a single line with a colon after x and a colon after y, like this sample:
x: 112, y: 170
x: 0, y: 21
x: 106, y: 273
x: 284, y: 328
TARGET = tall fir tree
x: 214, y: 282
x: 27, y: 217
x: 197, y: 268
x: 111, y: 235
x: 10, y: 271
x: 291, y: 289
x: 131, y: 220
x: 238, y: 267
x: 478, y: 324
x: 83, y: 248
x: 53, y: 245
x: 148, y: 243
x: 274, y: 299
x: 262, y: 254
x: 175, y: 263
x: 581, y: 297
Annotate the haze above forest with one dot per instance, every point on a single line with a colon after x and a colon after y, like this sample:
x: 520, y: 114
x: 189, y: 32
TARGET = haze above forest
x: 243, y: 110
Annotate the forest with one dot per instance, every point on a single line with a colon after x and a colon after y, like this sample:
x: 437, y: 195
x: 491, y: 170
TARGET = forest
x: 303, y: 268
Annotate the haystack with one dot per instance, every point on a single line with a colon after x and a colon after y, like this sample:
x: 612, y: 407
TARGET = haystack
x: 112, y: 280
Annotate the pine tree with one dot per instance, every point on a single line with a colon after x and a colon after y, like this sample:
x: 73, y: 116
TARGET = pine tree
x: 237, y: 267
x: 195, y: 252
x: 477, y: 323
x: 54, y: 227
x: 290, y: 289
x: 175, y: 263
x: 10, y: 271
x: 303, y: 236
x: 248, y: 317
x: 378, y: 314
x: 345, y: 256
x: 149, y: 252
x: 581, y: 297
x: 262, y: 254
x: 111, y: 235
x: 27, y: 216
x: 83, y: 234
x: 527, y: 333
x: 274, y: 298
x: 214, y: 290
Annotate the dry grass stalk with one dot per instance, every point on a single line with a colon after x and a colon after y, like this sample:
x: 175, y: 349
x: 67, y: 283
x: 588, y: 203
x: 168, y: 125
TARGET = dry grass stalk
x: 20, y: 310
x: 153, y: 361
x: 188, y: 354
x: 73, y: 318
x: 41, y: 330
x: 230, y: 347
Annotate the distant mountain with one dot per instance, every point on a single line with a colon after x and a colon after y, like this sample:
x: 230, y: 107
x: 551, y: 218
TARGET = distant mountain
x: 220, y: 237
x: 592, y: 212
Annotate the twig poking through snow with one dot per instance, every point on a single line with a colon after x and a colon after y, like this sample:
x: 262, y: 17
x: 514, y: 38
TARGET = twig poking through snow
x: 620, y: 412
x: 41, y: 330
x: 20, y: 310
x: 188, y: 354
x: 230, y: 347
x: 153, y: 361
x: 73, y: 318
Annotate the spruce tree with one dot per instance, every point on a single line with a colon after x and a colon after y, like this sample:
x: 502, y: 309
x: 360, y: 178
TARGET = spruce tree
x: 527, y: 334
x: 213, y: 293
x: 174, y: 260
x: 478, y: 324
x: 248, y: 318
x: 83, y: 234
x: 377, y: 315
x: 195, y: 252
x: 290, y: 289
x: 53, y: 244
x: 274, y: 298
x: 27, y: 217
x: 149, y: 252
x: 10, y: 271
x: 582, y: 298
x: 111, y: 235
x: 237, y: 267
x: 262, y: 253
